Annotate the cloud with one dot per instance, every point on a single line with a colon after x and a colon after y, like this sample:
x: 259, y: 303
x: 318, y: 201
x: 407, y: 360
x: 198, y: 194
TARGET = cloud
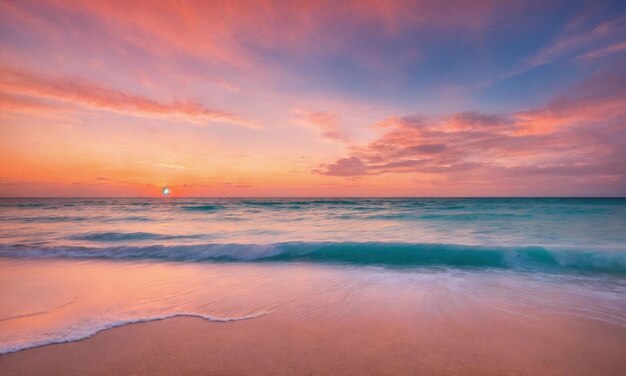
x: 601, y: 97
x: 169, y: 166
x: 241, y: 35
x: 92, y: 95
x: 326, y: 123
x: 579, y: 134
x: 604, y: 51
x: 228, y: 86
x: 477, y: 120
x: 423, y: 149
x: 20, y: 103
x: 347, y: 167
x: 574, y: 39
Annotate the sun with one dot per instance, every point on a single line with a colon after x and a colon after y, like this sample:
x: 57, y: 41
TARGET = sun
x: 166, y: 191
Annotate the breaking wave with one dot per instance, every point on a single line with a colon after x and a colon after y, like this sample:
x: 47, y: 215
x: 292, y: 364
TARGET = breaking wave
x: 526, y: 258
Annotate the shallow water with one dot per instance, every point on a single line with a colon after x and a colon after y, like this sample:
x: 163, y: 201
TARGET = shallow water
x: 72, y: 267
x: 52, y: 301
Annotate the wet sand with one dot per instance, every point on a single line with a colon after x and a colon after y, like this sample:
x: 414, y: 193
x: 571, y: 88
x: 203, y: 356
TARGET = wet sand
x: 376, y: 341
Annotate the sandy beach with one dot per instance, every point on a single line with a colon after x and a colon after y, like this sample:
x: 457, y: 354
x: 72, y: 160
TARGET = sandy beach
x: 369, y: 344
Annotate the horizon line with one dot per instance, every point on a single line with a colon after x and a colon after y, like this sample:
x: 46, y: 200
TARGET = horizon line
x: 293, y: 197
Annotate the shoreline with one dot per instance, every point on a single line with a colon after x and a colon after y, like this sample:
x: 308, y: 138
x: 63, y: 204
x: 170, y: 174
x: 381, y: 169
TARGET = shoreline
x: 366, y: 344
x: 120, y: 324
x: 324, y: 320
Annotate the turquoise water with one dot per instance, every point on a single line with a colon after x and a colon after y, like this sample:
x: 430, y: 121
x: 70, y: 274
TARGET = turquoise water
x: 547, y: 234
x: 70, y: 268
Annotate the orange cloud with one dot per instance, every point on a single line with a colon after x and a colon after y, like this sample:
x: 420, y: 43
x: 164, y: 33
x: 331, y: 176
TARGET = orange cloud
x: 10, y: 102
x: 93, y: 95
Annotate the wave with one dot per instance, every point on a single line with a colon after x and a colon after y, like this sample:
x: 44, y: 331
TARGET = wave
x: 48, y: 219
x: 335, y: 202
x: 93, y: 330
x: 202, y: 208
x: 124, y: 236
x: 298, y: 203
x: 474, y: 216
x: 71, y: 219
x: 527, y: 258
x: 25, y: 205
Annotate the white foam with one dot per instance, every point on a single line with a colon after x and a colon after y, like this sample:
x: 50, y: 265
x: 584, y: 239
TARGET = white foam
x: 85, y: 333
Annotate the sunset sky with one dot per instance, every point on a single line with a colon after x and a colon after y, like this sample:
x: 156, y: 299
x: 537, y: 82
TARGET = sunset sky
x: 313, y: 98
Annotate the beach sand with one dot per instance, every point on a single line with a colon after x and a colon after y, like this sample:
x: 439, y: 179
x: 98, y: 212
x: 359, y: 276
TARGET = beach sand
x: 378, y: 341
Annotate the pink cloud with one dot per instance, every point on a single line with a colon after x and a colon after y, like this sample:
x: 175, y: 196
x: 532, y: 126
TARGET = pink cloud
x: 579, y: 135
x: 326, y: 123
x: 235, y: 32
x: 90, y: 94
x: 347, y: 167
x: 604, y: 51
x: 20, y: 103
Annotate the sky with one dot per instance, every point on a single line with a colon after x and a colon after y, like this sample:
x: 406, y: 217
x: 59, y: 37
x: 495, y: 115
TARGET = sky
x: 313, y: 98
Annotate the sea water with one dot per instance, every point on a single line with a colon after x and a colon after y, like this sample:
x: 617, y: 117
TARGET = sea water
x: 72, y: 267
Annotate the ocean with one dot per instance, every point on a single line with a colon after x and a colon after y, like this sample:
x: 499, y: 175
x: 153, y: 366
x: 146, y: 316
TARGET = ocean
x: 71, y: 267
